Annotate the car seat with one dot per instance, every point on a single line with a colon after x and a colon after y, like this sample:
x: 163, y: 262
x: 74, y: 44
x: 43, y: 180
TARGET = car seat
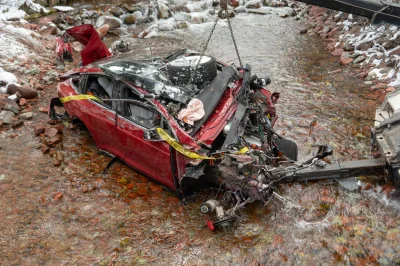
x: 106, y: 84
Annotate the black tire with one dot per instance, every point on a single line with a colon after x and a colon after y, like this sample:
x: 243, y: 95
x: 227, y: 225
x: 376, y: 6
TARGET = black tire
x: 180, y: 73
x: 288, y: 147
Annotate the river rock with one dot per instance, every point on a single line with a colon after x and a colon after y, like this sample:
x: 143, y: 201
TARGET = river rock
x: 163, y: 11
x: 391, y: 62
x: 337, y: 52
x: 129, y: 20
x: 180, y: 8
x: 388, y: 45
x: 271, y: 3
x: 6, y: 117
x: 240, y: 9
x: 26, y: 92
x: 133, y: 18
x: 395, y: 51
x: 317, y: 11
x: 112, y: 22
x: 167, y: 25
x: 89, y: 14
x: 11, y: 108
x: 348, y: 47
x: 233, y: 3
x: 4, y: 102
x: 47, y: 29
x: 182, y: 16
x: 77, y: 46
x: 253, y: 4
x: 26, y: 116
x: 345, y: 60
x: 44, y: 21
x: 178, y: 2
x: 129, y: 8
x: 182, y: 25
x: 17, y: 123
x: 326, y: 29
x: 116, y: 11
x: 359, y: 59
x: 103, y: 29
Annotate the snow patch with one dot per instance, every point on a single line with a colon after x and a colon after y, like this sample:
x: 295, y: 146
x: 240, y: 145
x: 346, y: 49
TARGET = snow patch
x: 7, y: 78
x: 63, y: 8
x: 10, y: 44
x: 11, y: 13
x: 396, y: 82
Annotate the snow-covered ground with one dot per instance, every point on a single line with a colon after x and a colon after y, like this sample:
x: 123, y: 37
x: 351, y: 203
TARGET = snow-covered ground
x: 9, y: 9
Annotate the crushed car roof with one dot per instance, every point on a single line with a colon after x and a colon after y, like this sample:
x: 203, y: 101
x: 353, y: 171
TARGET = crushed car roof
x: 148, y: 77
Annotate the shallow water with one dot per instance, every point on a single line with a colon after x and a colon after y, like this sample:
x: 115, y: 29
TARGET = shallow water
x: 123, y: 218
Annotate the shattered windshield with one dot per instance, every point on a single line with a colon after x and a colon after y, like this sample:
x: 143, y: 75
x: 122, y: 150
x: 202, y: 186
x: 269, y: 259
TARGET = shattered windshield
x: 147, y: 77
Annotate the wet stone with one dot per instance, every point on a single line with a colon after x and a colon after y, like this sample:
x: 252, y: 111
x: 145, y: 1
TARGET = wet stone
x: 17, y: 123
x: 6, y: 117
x: 359, y: 59
x: 51, y: 142
x: 26, y: 116
x: 345, y: 60
x: 122, y: 181
x: 11, y: 108
x: 38, y: 129
x: 142, y: 191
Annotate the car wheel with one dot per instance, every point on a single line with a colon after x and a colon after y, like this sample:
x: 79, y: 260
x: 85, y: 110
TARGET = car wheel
x: 180, y: 70
x: 288, y: 147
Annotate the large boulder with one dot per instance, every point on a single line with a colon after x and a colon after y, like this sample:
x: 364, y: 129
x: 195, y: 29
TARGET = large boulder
x: 26, y: 92
x: 113, y: 22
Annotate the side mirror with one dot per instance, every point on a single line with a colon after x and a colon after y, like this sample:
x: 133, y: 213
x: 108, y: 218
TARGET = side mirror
x: 151, y: 135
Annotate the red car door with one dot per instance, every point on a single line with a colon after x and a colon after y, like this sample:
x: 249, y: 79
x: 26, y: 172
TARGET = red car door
x: 149, y: 156
x: 98, y: 117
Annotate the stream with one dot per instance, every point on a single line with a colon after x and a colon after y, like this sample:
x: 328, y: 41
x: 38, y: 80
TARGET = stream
x: 122, y: 218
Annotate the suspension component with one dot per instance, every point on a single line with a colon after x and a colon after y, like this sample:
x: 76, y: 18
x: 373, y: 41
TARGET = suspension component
x: 209, y: 206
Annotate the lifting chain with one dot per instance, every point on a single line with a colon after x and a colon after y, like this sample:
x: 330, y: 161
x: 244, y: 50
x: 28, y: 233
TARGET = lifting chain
x: 234, y: 41
x: 192, y: 73
x: 223, y: 13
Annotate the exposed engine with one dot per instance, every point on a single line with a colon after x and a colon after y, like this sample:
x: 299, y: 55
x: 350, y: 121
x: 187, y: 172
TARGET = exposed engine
x: 252, y: 165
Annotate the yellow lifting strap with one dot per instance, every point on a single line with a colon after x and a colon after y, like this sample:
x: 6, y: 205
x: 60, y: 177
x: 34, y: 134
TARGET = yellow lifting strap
x: 164, y: 135
x: 79, y: 97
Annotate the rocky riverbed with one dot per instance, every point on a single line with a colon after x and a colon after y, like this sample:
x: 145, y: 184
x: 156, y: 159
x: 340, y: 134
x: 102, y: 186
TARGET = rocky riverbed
x: 58, y: 209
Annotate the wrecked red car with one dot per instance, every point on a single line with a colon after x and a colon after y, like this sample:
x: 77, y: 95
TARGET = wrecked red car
x: 189, y: 122
x: 133, y: 99
x: 179, y: 119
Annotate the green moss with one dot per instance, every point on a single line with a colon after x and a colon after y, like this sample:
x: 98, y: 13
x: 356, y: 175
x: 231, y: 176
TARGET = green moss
x: 129, y: 20
x: 32, y: 16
